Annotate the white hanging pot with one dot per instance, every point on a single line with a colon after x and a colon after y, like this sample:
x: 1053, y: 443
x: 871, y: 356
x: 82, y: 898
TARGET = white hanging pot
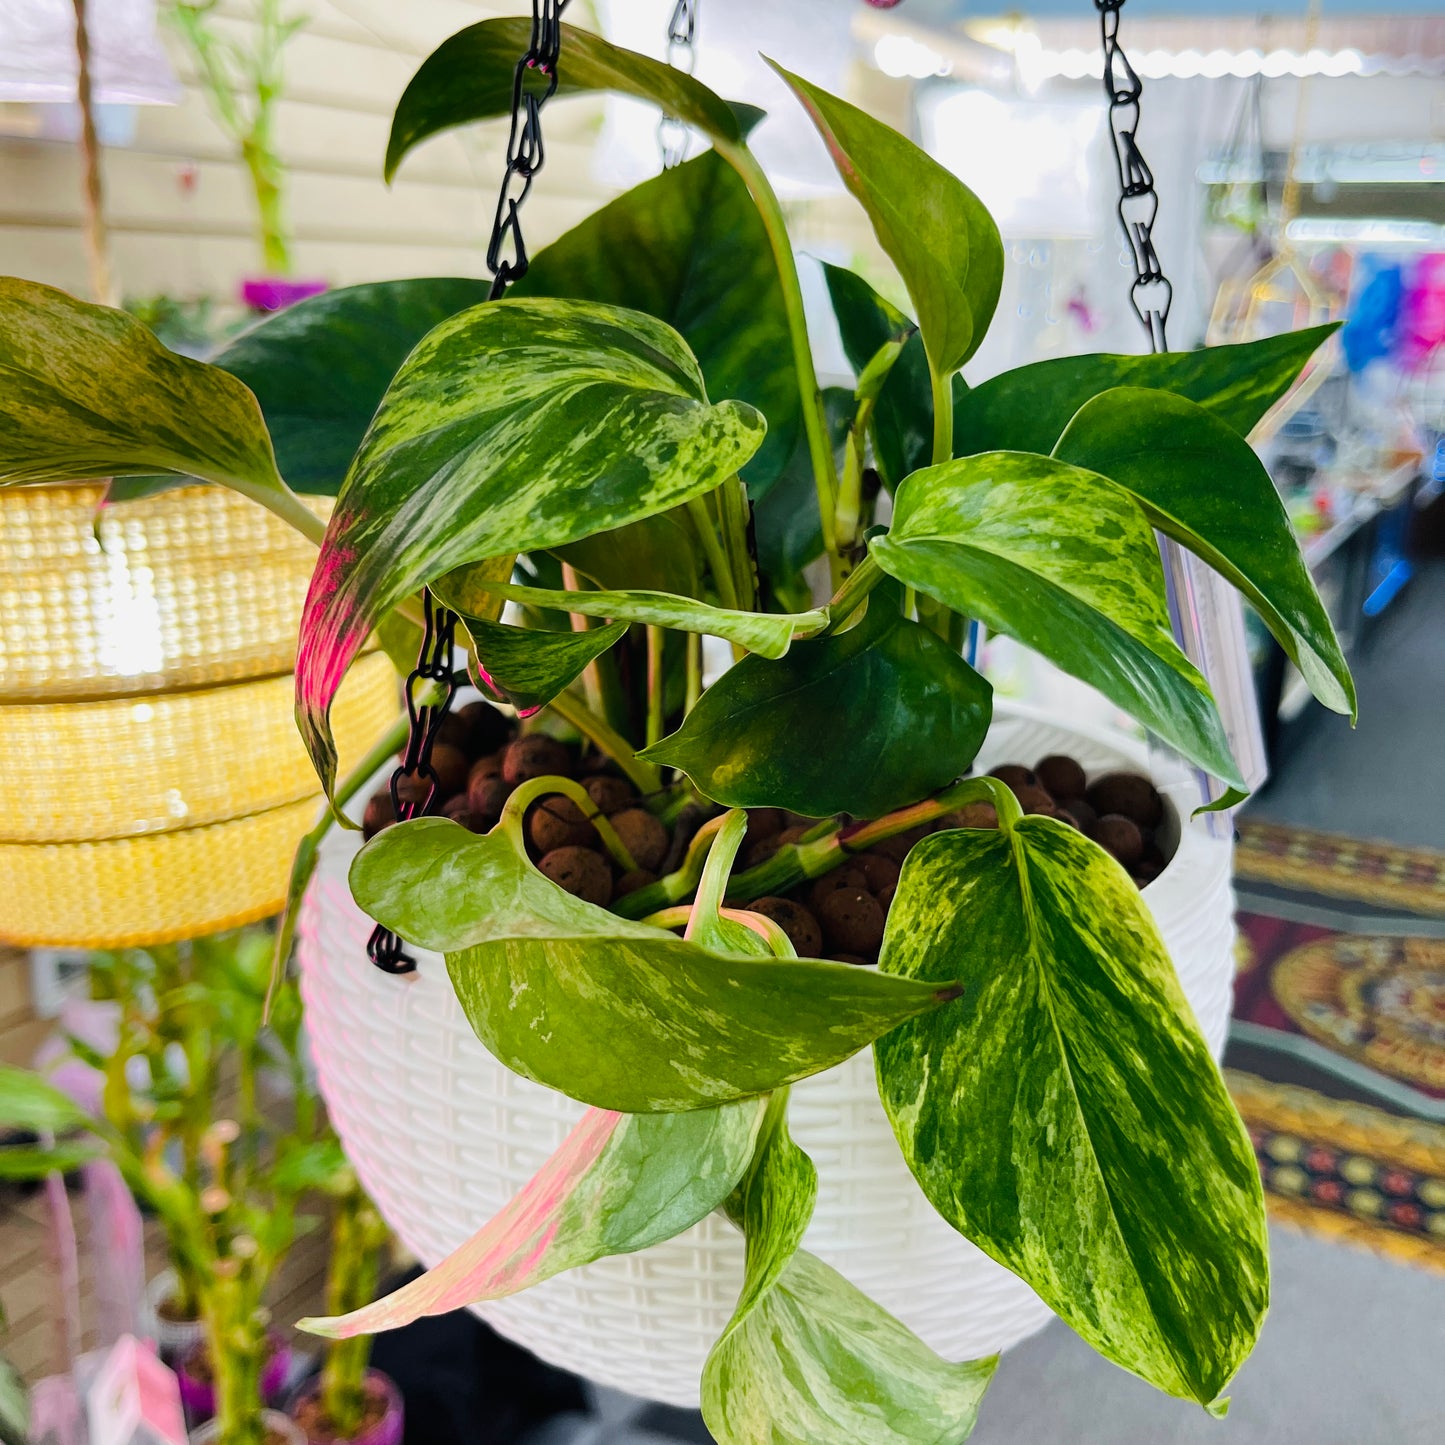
x: 442, y: 1135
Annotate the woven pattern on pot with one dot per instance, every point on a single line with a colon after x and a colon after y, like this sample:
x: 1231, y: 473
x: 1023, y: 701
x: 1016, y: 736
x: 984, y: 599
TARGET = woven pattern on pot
x: 84, y: 771
x: 442, y: 1135
x: 191, y: 588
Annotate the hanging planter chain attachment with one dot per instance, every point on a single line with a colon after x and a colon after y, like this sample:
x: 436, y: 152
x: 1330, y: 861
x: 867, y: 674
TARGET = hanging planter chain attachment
x: 672, y: 134
x: 507, y: 261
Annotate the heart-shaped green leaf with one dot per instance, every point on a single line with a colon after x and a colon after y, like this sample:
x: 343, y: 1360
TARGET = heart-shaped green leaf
x: 619, y: 1183
x: 616, y: 1014
x: 528, y: 668
x: 1200, y: 482
x: 807, y: 1357
x: 1027, y: 409
x: 863, y: 722
x: 689, y: 247
x: 513, y: 426
x: 1064, y: 561
x: 934, y: 229
x: 89, y: 392
x: 468, y: 77
x: 769, y: 634
x: 1065, y: 1114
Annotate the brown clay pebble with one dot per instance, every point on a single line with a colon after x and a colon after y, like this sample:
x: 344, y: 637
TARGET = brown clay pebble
x: 897, y: 847
x: 972, y: 815
x: 795, y: 920
x: 1082, y: 815
x: 459, y: 810
x: 763, y: 823
x: 487, y: 795
x: 1131, y: 794
x: 610, y: 794
x: 848, y: 876
x: 854, y: 958
x: 1120, y: 836
x: 487, y: 767
x: 885, y: 898
x: 631, y: 882
x: 455, y: 733
x: 1148, y: 868
x: 535, y: 756
x: 1063, y: 777
x: 879, y: 871
x: 852, y: 920
x: 487, y: 728
x: 413, y: 787
x: 793, y: 834
x: 643, y: 836
x: 581, y: 872
x: 1033, y: 800
x: 1015, y: 776
x: 558, y: 822
x: 761, y: 851
x: 379, y: 814
x: 451, y: 767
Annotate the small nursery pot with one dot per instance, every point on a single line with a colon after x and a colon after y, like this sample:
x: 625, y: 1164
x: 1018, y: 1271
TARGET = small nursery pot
x: 280, y: 1430
x: 198, y: 1391
x: 388, y: 1430
x: 175, y: 1338
x: 276, y: 293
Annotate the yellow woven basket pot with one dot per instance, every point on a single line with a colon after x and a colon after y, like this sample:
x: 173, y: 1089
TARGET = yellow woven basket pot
x: 157, y: 786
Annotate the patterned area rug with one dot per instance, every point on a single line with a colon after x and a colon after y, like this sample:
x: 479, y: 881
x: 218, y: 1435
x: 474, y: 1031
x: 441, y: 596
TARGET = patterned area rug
x: 1337, y: 1050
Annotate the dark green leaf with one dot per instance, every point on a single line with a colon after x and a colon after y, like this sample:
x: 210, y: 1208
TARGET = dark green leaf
x: 1200, y: 482
x: 30, y: 1103
x: 769, y: 634
x: 514, y: 426
x: 619, y: 1183
x: 468, y: 77
x: 616, y: 1014
x: 1064, y: 561
x: 90, y: 392
x: 528, y: 668
x: 659, y: 553
x: 934, y: 229
x: 1065, y: 1114
x: 689, y: 247
x: 809, y: 1358
x: 862, y: 722
x: 1026, y: 410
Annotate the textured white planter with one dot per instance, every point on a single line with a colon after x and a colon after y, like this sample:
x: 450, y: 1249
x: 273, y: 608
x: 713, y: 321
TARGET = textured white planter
x: 442, y: 1135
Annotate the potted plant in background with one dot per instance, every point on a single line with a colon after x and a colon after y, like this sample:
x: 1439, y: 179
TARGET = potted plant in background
x: 1039, y: 1066
x: 243, y: 85
x: 215, y: 1124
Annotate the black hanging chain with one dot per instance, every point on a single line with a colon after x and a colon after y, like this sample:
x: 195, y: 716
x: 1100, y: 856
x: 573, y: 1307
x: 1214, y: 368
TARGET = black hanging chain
x: 414, y: 782
x: 672, y: 134
x: 1151, y: 294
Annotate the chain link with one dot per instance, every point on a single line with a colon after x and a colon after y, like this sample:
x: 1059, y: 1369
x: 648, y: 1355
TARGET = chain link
x: 414, y: 782
x: 673, y: 136
x: 1151, y: 294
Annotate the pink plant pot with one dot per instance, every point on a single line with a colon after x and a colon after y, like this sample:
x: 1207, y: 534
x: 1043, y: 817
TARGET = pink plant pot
x: 276, y: 293
x: 198, y: 1394
x: 387, y: 1431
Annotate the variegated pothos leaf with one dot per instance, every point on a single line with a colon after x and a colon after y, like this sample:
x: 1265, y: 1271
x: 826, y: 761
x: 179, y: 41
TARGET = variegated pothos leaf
x: 512, y: 426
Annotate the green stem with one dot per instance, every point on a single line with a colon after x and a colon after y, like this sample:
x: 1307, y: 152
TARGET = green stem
x: 942, y: 416
x: 515, y: 809
x: 591, y: 678
x: 694, y: 672
x: 725, y: 840
x: 676, y: 886
x: 815, y: 417
x: 717, y: 559
x: 854, y: 592
x: 283, y: 502
x: 642, y: 775
x: 850, y: 493
x: 656, y: 682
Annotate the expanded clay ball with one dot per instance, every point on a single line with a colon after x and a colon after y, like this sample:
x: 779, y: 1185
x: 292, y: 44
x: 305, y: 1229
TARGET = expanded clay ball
x: 459, y: 810
x: 849, y: 875
x: 413, y: 788
x: 856, y: 959
x: 1015, y: 776
x: 631, y: 882
x: 451, y: 766
x: 879, y: 871
x: 971, y: 815
x: 897, y: 847
x: 643, y: 836
x: 487, y: 728
x: 763, y: 823
x: 1063, y: 777
x: 1079, y: 813
x: 795, y: 920
x: 558, y: 822
x: 379, y: 814
x: 1148, y: 868
x: 1131, y: 794
x: 852, y: 920
x: 611, y: 795
x: 1120, y: 836
x: 487, y: 795
x: 1034, y: 799
x: 535, y: 756
x: 885, y: 898
x: 581, y: 872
